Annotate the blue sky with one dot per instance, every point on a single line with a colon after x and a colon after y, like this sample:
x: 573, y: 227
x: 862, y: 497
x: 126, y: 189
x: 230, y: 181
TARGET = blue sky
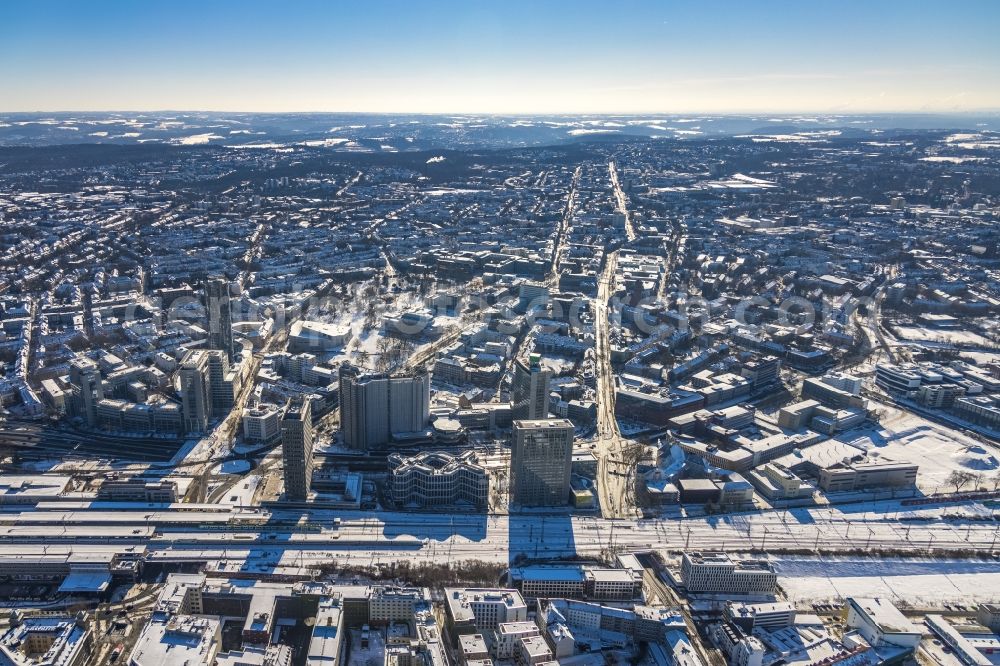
x: 504, y: 56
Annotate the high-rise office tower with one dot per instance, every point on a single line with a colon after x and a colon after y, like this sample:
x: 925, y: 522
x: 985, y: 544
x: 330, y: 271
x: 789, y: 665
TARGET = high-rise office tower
x: 297, y: 449
x: 541, y: 461
x: 196, y: 391
x: 208, y: 387
x: 222, y: 382
x: 373, y: 407
x: 530, y: 389
x: 220, y: 315
x: 88, y: 388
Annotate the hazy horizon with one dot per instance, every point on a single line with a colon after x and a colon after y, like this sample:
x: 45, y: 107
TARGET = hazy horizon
x: 790, y: 113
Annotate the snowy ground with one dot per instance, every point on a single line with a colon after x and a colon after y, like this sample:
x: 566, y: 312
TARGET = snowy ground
x: 232, y: 467
x: 918, y: 582
x: 954, y: 337
x: 196, y: 450
x: 242, y: 493
x: 75, y: 465
x: 353, y: 315
x: 937, y: 449
x: 981, y: 357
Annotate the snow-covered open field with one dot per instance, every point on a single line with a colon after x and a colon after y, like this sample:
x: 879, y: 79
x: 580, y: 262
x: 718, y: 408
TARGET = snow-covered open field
x: 916, y: 582
x: 953, y: 337
x: 937, y: 449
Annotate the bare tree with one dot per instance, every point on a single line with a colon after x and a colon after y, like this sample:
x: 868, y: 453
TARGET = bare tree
x: 959, y: 478
x: 384, y: 347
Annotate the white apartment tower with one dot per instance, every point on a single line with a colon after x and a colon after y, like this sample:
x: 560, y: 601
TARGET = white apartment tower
x: 374, y: 407
x: 409, y: 403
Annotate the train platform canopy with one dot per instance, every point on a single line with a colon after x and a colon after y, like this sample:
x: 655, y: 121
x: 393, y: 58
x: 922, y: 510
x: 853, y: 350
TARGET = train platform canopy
x: 31, y: 488
x: 86, y: 582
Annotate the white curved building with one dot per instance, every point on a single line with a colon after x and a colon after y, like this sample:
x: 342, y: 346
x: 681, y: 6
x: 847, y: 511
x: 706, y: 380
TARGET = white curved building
x: 434, y: 478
